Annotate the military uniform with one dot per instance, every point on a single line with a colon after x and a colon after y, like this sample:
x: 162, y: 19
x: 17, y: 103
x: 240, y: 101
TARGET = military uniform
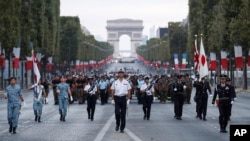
x: 234, y: 95
x: 38, y: 94
x: 147, y: 90
x: 14, y: 96
x: 91, y: 90
x: 202, y: 97
x: 163, y: 89
x: 188, y: 82
x: 54, y: 83
x: 226, y: 97
x: 63, y: 90
x: 120, y: 97
x: 179, y: 91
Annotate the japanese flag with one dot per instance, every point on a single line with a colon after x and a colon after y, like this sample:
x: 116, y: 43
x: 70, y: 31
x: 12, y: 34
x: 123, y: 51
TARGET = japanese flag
x: 203, y: 62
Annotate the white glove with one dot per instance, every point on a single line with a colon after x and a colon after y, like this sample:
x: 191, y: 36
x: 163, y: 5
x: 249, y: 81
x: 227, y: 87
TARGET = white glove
x: 128, y: 101
x: 5, y: 95
x: 184, y: 87
x: 71, y: 98
x: 58, y: 91
x: 232, y: 102
x: 175, y: 89
x: 24, y: 104
x: 154, y: 99
x: 113, y: 102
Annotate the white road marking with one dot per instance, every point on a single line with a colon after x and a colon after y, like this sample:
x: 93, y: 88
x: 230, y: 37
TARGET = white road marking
x: 132, y: 135
x: 106, y: 127
x: 101, y: 134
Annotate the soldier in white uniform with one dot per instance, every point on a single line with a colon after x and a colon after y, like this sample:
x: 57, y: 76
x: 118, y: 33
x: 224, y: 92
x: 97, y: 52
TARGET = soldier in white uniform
x: 121, y: 92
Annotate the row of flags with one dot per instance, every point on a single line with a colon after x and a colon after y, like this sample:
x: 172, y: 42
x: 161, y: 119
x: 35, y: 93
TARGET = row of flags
x: 224, y: 61
x: 80, y: 65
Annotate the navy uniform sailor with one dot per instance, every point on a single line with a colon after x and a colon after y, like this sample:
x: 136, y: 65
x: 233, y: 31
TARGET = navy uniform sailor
x: 14, y: 96
x: 120, y: 91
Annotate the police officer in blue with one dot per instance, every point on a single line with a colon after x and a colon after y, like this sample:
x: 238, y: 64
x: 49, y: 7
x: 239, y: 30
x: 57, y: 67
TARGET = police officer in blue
x: 226, y: 98
x: 14, y: 96
x: 38, y: 94
x: 63, y: 90
x: 179, y: 91
x: 91, y: 90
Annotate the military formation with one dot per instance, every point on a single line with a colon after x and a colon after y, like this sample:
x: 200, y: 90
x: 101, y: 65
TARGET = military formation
x: 120, y: 88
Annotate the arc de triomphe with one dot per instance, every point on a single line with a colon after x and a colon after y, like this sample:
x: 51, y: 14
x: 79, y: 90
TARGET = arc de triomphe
x: 117, y: 28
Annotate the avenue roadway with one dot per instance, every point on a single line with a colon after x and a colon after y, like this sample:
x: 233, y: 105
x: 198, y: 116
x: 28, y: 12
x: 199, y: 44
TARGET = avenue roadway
x: 162, y: 125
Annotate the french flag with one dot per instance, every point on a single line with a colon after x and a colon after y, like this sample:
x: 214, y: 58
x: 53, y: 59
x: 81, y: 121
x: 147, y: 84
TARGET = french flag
x: 176, y: 62
x: 213, y: 62
x: 184, y: 58
x: 238, y: 57
x: 224, y: 64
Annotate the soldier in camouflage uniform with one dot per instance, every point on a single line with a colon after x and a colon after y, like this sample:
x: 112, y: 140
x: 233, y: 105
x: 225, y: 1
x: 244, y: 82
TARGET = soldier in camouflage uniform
x: 189, y: 85
x: 80, y: 82
x: 170, y: 88
x: 163, y: 88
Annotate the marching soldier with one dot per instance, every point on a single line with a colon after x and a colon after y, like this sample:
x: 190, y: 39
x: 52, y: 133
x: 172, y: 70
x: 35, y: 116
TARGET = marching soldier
x: 226, y: 97
x: 188, y: 82
x: 54, y: 85
x: 120, y: 91
x: 91, y: 90
x: 63, y: 90
x: 102, y: 86
x: 196, y: 82
x: 148, y: 90
x: 80, y: 86
x: 202, y: 97
x: 38, y: 94
x: 14, y: 97
x: 163, y: 88
x: 179, y: 89
x: 228, y: 81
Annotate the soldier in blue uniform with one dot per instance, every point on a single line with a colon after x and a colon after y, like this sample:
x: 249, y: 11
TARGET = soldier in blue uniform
x: 14, y: 97
x: 39, y: 93
x: 226, y: 97
x: 63, y: 90
x: 90, y: 89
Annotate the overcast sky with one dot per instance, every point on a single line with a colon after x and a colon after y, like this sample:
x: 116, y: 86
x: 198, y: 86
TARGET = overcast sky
x: 94, y: 14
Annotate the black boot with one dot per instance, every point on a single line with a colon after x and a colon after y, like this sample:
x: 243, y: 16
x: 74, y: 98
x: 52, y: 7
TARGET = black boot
x: 10, y: 129
x: 14, y: 130
x: 39, y: 119
x: 36, y: 118
x: 61, y: 118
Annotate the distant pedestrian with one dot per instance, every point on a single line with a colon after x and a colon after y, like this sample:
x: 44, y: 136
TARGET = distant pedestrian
x: 14, y: 96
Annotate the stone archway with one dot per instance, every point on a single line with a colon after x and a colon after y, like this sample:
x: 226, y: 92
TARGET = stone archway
x: 117, y: 28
